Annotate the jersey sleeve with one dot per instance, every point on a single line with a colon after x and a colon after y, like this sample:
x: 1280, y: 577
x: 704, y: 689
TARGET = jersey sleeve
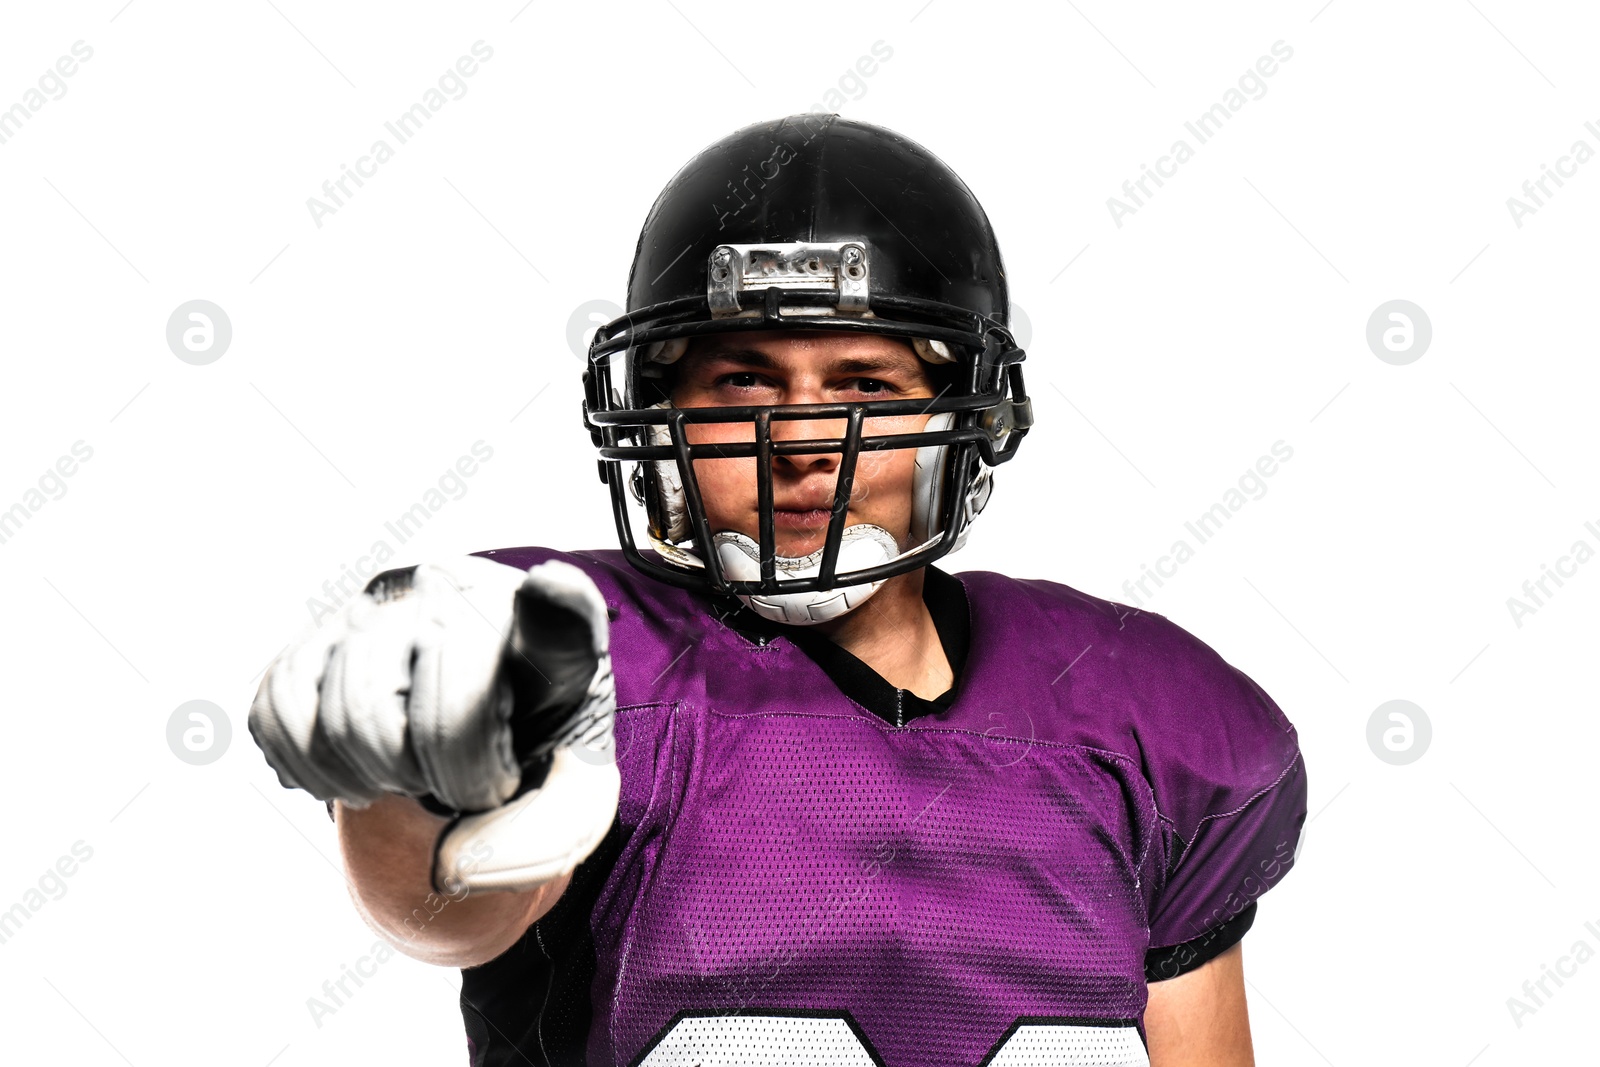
x: 1225, y: 767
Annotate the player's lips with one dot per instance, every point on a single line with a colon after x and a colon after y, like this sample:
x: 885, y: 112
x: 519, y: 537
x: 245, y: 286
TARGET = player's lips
x: 801, y: 518
x: 804, y: 512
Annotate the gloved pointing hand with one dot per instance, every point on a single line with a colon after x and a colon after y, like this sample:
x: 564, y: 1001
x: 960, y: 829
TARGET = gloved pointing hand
x: 481, y: 690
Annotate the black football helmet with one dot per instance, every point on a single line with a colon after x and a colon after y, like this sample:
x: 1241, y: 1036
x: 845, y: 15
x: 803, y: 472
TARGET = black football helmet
x: 806, y: 222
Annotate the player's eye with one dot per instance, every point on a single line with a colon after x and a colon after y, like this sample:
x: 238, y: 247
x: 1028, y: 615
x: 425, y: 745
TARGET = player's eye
x: 872, y: 385
x: 739, y: 380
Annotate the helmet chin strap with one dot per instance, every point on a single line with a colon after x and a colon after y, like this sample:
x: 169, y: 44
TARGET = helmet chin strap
x: 862, y: 545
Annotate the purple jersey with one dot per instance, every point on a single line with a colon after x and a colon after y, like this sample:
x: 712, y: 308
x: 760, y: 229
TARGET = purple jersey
x: 793, y: 878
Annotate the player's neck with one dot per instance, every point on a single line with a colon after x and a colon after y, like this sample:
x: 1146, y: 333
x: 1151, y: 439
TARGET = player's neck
x: 893, y: 633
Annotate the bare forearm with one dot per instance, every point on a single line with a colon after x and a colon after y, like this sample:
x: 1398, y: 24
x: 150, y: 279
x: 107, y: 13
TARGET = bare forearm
x: 388, y: 857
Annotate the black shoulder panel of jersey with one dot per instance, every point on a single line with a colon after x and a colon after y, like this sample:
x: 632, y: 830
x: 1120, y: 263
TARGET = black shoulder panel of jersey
x: 1173, y: 960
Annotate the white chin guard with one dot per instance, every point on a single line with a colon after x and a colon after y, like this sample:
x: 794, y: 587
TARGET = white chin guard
x: 861, y: 546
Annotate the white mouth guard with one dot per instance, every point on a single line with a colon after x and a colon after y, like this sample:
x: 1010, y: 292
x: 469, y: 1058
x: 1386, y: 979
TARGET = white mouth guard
x: 860, y: 546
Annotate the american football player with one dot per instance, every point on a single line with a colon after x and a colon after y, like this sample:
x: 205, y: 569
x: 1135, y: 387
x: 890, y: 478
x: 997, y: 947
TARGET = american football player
x: 765, y: 785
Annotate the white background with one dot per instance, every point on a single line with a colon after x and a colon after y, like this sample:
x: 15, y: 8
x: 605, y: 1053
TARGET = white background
x: 431, y: 312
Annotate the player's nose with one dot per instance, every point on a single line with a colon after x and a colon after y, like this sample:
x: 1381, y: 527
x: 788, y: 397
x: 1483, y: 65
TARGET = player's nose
x: 807, y: 430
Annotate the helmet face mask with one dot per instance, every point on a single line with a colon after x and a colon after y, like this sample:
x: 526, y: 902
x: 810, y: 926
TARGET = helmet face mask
x: 795, y: 368
x: 810, y: 252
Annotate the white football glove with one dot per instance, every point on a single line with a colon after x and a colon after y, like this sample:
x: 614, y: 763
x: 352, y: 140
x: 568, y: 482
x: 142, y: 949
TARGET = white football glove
x: 480, y: 689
